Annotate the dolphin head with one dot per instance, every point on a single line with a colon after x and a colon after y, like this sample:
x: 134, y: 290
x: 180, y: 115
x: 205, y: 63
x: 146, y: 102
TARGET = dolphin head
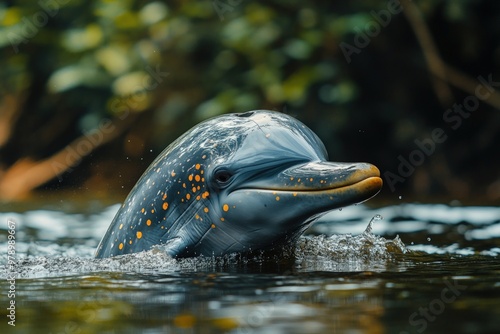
x: 236, y: 183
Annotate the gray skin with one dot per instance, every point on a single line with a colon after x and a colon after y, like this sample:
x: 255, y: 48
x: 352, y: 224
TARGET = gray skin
x: 233, y: 184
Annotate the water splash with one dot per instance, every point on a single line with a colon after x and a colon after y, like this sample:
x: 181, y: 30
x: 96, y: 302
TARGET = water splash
x: 43, y: 266
x: 364, y: 247
x: 368, y: 229
x: 360, y: 252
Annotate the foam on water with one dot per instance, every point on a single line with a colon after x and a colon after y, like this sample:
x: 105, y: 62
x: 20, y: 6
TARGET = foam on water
x: 47, y: 259
x: 366, y: 246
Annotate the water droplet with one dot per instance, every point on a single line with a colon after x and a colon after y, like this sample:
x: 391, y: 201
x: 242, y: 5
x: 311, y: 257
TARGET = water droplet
x: 400, y: 197
x: 428, y: 239
x: 370, y: 224
x: 340, y: 209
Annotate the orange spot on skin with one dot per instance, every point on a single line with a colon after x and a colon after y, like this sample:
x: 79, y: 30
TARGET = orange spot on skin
x: 165, y: 206
x: 225, y: 207
x: 152, y: 210
x: 201, y: 172
x: 294, y: 194
x: 206, y: 210
x: 197, y: 178
x: 164, y: 197
x: 194, y: 189
x: 222, y: 219
x: 212, y: 226
x: 291, y: 179
x: 311, y: 179
x: 197, y: 216
x: 143, y: 210
x: 202, y: 179
x: 139, y: 234
x: 277, y: 198
x: 205, y: 194
x: 172, y: 174
x: 190, y: 177
x: 148, y: 222
x: 204, y: 156
x: 188, y: 196
x: 121, y: 226
x: 130, y: 242
x: 198, y: 197
x: 120, y: 246
x: 183, y: 185
x: 197, y: 166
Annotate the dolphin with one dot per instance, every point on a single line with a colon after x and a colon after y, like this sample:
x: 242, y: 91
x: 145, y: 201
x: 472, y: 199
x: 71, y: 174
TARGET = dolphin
x: 234, y: 184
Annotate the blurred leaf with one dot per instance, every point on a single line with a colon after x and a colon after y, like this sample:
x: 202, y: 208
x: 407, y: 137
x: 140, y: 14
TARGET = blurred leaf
x: 114, y: 58
x: 77, y: 40
x: 10, y: 16
x: 153, y: 12
x: 127, y: 20
x: 75, y: 75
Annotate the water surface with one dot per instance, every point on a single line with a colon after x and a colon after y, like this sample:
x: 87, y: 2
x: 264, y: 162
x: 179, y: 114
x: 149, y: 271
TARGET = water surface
x: 423, y: 268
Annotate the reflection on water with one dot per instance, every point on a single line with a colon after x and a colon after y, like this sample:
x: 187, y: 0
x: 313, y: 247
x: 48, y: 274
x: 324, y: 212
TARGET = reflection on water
x: 422, y: 268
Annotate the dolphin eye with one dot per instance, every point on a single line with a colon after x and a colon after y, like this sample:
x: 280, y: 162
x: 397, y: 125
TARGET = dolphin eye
x: 222, y: 176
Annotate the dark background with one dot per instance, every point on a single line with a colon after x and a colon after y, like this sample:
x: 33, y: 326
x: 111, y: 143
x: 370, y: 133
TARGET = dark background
x: 94, y: 90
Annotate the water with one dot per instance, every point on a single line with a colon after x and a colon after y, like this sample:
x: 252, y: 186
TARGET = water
x: 422, y: 268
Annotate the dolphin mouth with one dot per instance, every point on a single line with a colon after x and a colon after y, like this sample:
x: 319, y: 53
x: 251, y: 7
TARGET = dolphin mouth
x: 357, y: 192
x: 324, y: 177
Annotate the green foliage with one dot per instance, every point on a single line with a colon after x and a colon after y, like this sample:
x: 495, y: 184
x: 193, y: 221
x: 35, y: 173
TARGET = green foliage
x: 72, y: 63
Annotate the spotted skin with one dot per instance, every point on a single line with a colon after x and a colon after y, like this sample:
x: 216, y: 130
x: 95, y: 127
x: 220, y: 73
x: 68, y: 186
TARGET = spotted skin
x: 235, y: 183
